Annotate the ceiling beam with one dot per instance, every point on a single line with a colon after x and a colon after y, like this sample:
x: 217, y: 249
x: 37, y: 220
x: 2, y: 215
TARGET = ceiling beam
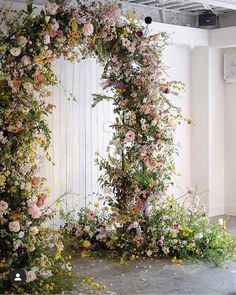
x: 218, y: 3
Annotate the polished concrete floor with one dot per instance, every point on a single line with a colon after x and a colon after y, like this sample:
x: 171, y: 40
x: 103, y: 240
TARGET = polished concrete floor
x: 158, y: 276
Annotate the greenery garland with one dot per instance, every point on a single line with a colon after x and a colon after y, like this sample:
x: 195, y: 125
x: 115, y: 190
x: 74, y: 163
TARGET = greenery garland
x: 140, y: 163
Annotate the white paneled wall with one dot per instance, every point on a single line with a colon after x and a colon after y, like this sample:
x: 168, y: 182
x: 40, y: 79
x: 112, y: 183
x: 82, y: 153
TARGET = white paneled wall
x: 78, y: 132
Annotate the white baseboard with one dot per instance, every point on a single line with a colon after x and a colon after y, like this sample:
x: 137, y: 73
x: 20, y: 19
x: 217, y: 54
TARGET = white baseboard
x: 216, y: 211
x: 230, y: 211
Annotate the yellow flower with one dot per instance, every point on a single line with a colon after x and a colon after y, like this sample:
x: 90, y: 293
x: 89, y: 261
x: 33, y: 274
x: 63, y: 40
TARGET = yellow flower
x: 85, y: 253
x: 7, y: 173
x: 47, y: 190
x: 186, y: 232
x: 73, y: 37
x: 96, y: 205
x: 2, y: 180
x: 177, y: 261
x: 86, y: 244
x: 13, y: 189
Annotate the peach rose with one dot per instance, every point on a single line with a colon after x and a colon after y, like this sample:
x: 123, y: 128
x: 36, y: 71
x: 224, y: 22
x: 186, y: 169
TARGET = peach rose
x: 78, y: 232
x: 34, y: 211
x: 38, y: 77
x: 33, y: 230
x: 41, y: 199
x: 36, y: 181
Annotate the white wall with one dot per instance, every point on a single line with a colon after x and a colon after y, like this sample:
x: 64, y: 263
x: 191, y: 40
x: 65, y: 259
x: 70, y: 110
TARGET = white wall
x: 207, y: 97
x: 178, y: 61
x: 200, y: 130
x: 230, y: 145
x: 216, y: 134
x: 78, y: 132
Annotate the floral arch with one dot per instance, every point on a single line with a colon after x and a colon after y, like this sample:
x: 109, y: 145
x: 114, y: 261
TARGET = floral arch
x: 139, y: 168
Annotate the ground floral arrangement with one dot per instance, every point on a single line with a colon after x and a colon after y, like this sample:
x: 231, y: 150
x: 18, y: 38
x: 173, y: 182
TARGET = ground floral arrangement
x: 140, y: 219
x: 171, y: 229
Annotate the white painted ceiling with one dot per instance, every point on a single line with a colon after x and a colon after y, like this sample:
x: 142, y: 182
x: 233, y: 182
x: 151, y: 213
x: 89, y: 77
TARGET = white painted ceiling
x: 188, y: 6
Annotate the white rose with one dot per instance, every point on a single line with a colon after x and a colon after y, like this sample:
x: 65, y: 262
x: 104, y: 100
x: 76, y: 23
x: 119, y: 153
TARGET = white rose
x: 15, y: 51
x: 31, y: 276
x: 14, y: 226
x: 17, y: 244
x: 21, y: 235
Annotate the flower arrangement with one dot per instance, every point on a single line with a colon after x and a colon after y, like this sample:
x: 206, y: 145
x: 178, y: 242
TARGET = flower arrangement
x: 89, y: 228
x: 137, y: 171
x: 171, y: 230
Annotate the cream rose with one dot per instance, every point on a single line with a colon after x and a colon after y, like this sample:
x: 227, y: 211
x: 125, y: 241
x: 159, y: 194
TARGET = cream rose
x: 14, y: 226
x: 3, y: 206
x: 33, y: 230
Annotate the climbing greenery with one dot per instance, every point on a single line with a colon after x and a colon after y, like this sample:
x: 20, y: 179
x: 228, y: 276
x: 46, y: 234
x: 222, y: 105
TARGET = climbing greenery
x: 139, y: 166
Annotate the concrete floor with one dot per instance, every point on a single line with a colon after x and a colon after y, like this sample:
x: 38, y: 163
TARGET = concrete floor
x: 158, y: 276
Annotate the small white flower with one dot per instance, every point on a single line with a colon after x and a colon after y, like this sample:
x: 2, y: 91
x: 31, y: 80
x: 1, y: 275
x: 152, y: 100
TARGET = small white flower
x: 15, y: 51
x: 165, y: 250
x: 199, y: 236
x: 221, y: 221
x: 87, y: 228
x: 1, y: 136
x: 149, y: 253
x: 17, y: 244
x: 21, y: 235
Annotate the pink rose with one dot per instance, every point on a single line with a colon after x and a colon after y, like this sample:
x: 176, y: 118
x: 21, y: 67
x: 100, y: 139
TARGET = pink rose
x: 91, y: 215
x: 132, y: 47
x: 51, y: 8
x: 112, y: 12
x: 88, y: 29
x: 102, y: 231
x: 3, y: 206
x: 146, y: 109
x: 46, y: 39
x: 36, y: 181
x: 25, y: 60
x: 78, y: 232
x: 130, y: 136
x: 14, y: 226
x: 33, y: 230
x: 41, y: 199
x: 76, y: 16
x: 38, y: 77
x: 34, y: 211
x: 31, y: 276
